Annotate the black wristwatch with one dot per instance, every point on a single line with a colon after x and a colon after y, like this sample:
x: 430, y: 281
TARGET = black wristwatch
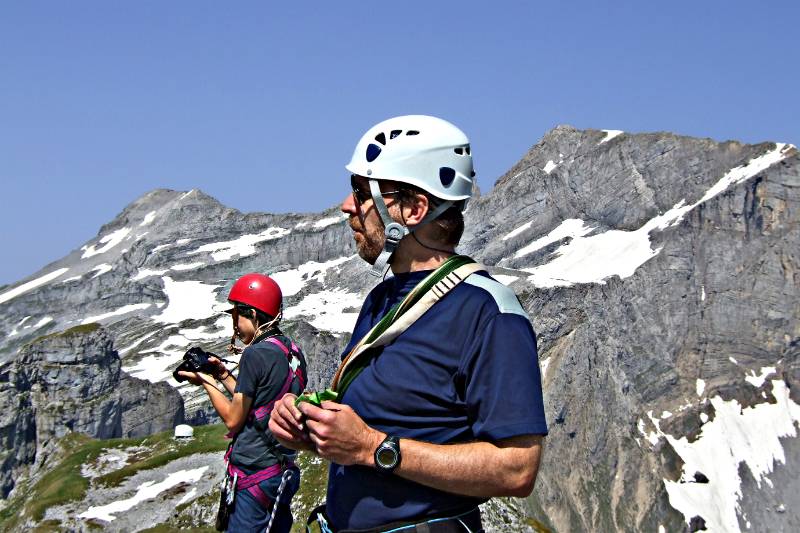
x: 387, y: 455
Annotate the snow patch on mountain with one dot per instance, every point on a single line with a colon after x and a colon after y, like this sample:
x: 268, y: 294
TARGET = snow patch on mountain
x: 756, y: 380
x: 155, y: 368
x: 101, y: 269
x: 610, y: 134
x: 188, y: 496
x: 241, y: 246
x: 25, y: 287
x: 187, y: 299
x: 108, y: 241
x: 570, y: 228
x: 736, y: 435
x: 329, y: 221
x: 124, y: 310
x: 146, y: 273
x: 144, y: 492
x: 517, y: 231
x: 187, y: 266
x: 505, y: 279
x: 618, y: 252
x: 137, y: 342
x: 148, y: 218
x: 160, y: 247
x: 44, y: 321
x: 550, y: 166
x: 700, y: 386
x: 159, y: 362
x: 325, y: 310
x: 203, y: 333
x: 593, y: 259
x: 293, y: 280
x: 15, y: 331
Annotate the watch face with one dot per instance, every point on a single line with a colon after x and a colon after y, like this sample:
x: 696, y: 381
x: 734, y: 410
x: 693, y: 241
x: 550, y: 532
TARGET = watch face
x: 386, y: 457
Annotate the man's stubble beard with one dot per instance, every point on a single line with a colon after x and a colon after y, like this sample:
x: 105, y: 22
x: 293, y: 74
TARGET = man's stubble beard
x: 369, y: 243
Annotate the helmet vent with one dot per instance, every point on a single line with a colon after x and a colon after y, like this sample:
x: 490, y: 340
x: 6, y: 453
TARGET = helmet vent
x: 373, y: 151
x: 446, y: 176
x: 381, y: 138
x: 395, y: 133
x: 466, y: 149
x: 459, y: 151
x: 412, y: 132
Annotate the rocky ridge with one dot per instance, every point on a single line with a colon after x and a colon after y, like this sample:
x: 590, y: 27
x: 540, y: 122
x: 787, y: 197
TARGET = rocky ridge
x: 660, y: 273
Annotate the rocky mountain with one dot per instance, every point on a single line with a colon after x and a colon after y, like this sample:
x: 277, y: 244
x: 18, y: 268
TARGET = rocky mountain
x: 660, y: 272
x: 71, y: 382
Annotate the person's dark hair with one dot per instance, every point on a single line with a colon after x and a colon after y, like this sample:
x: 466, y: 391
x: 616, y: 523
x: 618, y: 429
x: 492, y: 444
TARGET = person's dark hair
x: 449, y: 226
x: 263, y: 318
x: 252, y: 312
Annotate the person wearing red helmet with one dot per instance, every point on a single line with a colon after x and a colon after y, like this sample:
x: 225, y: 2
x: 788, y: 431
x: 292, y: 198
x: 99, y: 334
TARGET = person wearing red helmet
x: 260, y: 472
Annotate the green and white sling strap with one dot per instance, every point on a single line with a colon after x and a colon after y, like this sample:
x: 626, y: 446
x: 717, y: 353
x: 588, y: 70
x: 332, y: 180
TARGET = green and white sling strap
x: 421, y: 298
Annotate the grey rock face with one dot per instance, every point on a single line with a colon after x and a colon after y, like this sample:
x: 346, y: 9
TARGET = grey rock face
x: 72, y: 382
x: 661, y: 274
x: 723, y: 287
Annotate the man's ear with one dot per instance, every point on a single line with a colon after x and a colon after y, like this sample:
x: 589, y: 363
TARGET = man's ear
x: 415, y: 211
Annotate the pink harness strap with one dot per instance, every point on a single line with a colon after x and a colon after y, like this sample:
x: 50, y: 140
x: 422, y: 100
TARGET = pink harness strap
x: 260, y: 496
x: 250, y: 482
x: 285, y: 350
x: 245, y: 481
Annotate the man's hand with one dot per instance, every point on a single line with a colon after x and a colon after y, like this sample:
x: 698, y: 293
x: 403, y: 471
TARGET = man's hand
x: 286, y: 423
x: 339, y: 434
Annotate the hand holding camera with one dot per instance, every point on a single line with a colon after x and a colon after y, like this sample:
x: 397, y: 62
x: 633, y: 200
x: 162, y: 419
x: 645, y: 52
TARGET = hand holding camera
x: 196, y: 360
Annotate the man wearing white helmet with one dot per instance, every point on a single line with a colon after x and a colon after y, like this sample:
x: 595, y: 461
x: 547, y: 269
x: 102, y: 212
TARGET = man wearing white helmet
x: 437, y: 406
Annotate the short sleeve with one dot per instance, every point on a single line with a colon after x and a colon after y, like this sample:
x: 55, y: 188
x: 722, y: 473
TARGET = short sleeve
x: 503, y: 389
x: 250, y: 369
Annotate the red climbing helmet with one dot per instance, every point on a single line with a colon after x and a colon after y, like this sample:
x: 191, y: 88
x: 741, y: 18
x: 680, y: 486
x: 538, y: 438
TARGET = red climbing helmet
x: 257, y: 291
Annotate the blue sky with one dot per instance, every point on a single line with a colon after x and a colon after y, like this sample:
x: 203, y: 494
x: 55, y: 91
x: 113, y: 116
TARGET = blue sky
x: 260, y: 104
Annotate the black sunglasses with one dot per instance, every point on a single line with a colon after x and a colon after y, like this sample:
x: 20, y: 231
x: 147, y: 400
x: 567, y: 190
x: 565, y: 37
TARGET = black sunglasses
x: 239, y: 309
x: 360, y: 195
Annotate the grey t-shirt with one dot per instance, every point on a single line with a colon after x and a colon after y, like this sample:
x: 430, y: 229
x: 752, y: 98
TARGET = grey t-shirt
x: 263, y: 371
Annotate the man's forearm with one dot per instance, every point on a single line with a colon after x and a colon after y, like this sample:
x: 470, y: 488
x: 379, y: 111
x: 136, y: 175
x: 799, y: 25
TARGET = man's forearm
x: 479, y: 469
x: 482, y: 469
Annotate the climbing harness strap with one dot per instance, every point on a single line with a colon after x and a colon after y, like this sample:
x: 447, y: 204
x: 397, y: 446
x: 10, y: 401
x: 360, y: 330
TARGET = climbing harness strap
x: 295, y: 372
x: 465, y: 522
x: 245, y: 481
x: 421, y: 298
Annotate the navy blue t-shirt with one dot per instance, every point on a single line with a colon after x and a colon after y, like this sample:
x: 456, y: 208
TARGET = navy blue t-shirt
x: 466, y: 370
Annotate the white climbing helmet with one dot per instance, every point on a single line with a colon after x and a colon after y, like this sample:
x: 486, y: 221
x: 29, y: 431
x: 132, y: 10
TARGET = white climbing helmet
x: 427, y: 152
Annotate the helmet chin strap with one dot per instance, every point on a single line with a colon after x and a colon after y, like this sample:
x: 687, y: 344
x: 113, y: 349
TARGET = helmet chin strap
x: 394, y: 231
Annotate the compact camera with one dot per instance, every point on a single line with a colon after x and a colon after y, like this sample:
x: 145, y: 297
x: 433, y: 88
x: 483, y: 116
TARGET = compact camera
x: 195, y: 360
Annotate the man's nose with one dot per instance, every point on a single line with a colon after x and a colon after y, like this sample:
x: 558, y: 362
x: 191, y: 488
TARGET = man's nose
x: 349, y: 205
